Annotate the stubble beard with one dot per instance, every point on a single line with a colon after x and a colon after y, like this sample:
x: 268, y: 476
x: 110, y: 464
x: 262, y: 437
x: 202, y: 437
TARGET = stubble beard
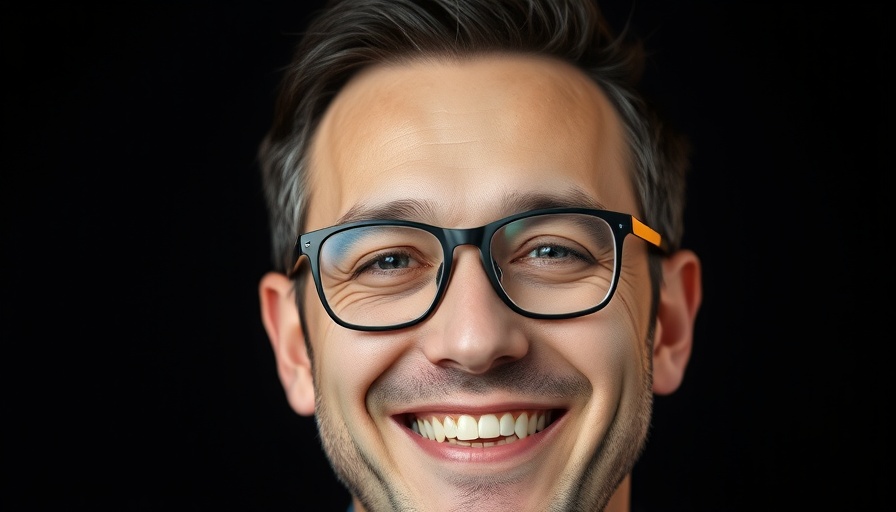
x: 589, y: 491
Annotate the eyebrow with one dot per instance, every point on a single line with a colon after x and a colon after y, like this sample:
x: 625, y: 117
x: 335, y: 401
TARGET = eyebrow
x: 511, y: 203
x: 398, y: 209
x: 574, y: 197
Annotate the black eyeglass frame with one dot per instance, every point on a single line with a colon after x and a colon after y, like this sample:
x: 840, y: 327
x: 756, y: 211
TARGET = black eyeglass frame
x: 622, y: 224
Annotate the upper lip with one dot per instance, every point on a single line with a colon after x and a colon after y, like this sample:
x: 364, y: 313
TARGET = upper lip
x: 423, y: 413
x: 476, y: 410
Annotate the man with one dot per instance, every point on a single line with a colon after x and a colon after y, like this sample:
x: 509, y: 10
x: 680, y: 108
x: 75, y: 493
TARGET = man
x: 450, y: 184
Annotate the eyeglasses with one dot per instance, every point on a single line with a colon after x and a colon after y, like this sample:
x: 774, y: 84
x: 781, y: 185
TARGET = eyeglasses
x: 379, y: 275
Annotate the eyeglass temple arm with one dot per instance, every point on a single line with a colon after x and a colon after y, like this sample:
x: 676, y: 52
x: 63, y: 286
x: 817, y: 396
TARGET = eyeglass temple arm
x: 648, y: 234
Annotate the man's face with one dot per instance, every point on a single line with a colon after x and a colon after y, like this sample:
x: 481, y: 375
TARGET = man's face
x: 471, y: 142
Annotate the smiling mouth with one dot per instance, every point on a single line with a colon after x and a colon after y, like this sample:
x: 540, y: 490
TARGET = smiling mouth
x: 482, y: 431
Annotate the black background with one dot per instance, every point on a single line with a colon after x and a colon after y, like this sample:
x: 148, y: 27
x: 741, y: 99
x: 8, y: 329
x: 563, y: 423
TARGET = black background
x: 137, y: 374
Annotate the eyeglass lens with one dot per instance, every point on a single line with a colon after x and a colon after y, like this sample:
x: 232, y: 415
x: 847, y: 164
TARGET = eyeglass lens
x: 546, y: 264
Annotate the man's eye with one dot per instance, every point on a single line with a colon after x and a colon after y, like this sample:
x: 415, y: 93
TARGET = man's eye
x: 391, y: 262
x: 549, y: 251
x: 388, y: 262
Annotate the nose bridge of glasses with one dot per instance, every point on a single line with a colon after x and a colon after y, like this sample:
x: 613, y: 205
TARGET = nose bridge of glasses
x: 457, y: 237
x: 476, y: 237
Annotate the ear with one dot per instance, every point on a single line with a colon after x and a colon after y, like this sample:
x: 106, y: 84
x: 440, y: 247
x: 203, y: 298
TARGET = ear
x: 281, y: 321
x: 680, y: 295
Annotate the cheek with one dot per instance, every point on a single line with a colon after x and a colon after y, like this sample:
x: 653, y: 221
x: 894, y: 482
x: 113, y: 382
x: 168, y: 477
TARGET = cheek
x: 608, y: 347
x: 600, y: 346
x: 346, y: 362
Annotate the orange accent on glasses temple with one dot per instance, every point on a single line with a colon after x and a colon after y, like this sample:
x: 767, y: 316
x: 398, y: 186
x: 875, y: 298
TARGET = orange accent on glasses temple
x: 646, y: 232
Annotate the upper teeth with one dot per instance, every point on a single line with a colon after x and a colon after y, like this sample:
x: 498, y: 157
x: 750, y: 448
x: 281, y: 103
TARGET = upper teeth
x: 466, y: 428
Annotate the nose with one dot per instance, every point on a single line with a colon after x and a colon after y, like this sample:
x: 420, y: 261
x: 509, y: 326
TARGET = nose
x: 472, y: 329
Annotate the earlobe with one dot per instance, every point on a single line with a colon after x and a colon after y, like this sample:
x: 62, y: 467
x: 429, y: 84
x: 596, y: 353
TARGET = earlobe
x: 681, y: 293
x: 281, y: 321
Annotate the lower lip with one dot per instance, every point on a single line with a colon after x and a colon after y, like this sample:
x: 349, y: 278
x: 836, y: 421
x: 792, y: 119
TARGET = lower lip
x: 514, y: 452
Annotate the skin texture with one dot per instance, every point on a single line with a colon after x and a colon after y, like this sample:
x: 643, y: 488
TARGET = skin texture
x: 473, y: 141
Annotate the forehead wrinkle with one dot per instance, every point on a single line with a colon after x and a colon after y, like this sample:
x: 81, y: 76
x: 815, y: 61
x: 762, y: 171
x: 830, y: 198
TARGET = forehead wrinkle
x: 378, y: 92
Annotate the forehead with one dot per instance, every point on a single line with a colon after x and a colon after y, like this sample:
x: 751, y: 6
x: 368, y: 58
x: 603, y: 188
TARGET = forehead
x: 468, y: 138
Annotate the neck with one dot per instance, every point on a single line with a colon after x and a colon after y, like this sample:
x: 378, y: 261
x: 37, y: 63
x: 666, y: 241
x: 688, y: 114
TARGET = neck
x: 621, y: 499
